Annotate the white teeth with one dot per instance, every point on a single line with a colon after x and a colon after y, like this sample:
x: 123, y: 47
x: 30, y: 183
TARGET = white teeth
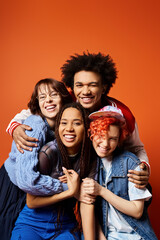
x: 87, y: 99
x: 50, y: 107
x: 69, y: 136
x: 103, y: 149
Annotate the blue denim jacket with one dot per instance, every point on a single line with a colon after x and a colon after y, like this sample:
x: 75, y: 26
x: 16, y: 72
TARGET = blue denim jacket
x: 118, y: 184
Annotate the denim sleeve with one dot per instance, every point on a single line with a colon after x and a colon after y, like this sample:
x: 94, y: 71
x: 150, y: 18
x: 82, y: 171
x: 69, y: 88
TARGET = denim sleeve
x: 27, y: 177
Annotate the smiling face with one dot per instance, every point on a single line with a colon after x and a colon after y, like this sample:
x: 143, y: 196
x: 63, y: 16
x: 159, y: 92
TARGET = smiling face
x: 104, y: 146
x: 88, y: 89
x: 71, y: 130
x: 49, y: 102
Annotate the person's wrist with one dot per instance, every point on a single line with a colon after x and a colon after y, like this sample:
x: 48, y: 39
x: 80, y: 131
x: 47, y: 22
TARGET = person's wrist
x: 147, y: 166
x: 13, y: 126
x: 100, y: 191
x: 70, y: 192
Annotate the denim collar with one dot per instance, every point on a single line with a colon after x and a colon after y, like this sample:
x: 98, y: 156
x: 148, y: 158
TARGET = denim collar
x: 118, y: 164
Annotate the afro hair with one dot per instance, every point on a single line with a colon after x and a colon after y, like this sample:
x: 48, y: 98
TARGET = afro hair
x: 98, y: 63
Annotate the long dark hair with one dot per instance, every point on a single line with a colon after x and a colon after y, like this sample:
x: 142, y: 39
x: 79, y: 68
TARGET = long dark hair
x: 85, y: 149
x: 58, y: 86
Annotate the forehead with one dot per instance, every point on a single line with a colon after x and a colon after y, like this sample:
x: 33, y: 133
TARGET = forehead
x: 45, y: 88
x: 71, y: 114
x: 113, y: 130
x: 87, y: 77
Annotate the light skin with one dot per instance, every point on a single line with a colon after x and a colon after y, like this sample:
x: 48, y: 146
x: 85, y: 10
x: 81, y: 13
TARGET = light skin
x: 88, y: 89
x: 50, y: 103
x: 104, y: 148
x: 105, y: 145
x: 73, y: 183
x: 71, y: 132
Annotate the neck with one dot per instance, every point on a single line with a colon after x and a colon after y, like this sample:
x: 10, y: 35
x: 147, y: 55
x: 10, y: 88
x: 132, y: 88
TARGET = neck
x: 96, y: 107
x: 73, y: 151
x: 51, y: 123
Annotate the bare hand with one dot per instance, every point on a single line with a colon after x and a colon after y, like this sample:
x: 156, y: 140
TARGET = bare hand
x: 82, y: 196
x: 140, y: 178
x: 91, y: 186
x: 73, y: 181
x: 63, y: 179
x: 22, y: 140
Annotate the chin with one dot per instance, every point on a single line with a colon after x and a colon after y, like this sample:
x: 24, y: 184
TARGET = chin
x: 87, y: 106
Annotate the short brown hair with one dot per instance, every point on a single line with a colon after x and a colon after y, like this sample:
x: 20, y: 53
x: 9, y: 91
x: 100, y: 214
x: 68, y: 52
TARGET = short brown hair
x: 58, y: 86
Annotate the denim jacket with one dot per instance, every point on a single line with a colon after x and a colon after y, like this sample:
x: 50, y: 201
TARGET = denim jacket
x: 118, y: 184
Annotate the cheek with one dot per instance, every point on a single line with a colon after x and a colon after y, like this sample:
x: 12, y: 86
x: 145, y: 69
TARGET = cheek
x: 75, y: 90
x: 41, y: 106
x: 114, y: 145
x: 94, y: 143
x: 59, y: 103
x: 98, y: 93
x: 81, y: 134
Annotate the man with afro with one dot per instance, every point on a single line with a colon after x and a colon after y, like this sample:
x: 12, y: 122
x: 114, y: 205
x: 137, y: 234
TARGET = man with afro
x: 89, y: 77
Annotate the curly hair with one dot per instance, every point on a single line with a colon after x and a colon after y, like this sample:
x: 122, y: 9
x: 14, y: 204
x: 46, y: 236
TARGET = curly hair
x: 58, y: 86
x: 86, y: 144
x: 98, y: 63
x: 101, y: 125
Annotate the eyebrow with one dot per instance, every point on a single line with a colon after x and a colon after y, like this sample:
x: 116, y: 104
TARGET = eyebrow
x: 113, y: 136
x: 87, y: 84
x: 75, y: 119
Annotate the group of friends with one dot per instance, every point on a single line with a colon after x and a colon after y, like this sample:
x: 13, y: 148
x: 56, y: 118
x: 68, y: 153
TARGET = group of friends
x: 77, y: 168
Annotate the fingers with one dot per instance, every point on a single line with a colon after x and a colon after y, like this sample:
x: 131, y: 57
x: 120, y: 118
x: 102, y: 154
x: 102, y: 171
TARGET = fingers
x: 88, y: 182
x: 22, y: 140
x: 63, y: 179
x: 26, y: 140
x: 140, y: 186
x: 21, y: 143
x: 139, y: 174
x: 71, y: 172
x: 88, y: 199
x: 26, y: 127
x: 89, y: 186
x: 142, y: 182
x: 19, y: 148
x: 140, y: 178
x: 143, y: 166
x: 65, y: 171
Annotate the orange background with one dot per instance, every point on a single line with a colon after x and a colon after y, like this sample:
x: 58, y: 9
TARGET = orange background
x: 37, y: 36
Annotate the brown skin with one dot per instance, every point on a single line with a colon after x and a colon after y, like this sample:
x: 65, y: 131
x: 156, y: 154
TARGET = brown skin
x: 140, y: 178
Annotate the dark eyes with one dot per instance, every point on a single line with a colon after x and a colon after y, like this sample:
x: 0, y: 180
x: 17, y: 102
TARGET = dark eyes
x: 77, y: 123
x: 63, y: 123
x: 91, y: 85
x: 79, y: 85
x: 42, y: 97
x: 74, y: 123
x: 113, y: 139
